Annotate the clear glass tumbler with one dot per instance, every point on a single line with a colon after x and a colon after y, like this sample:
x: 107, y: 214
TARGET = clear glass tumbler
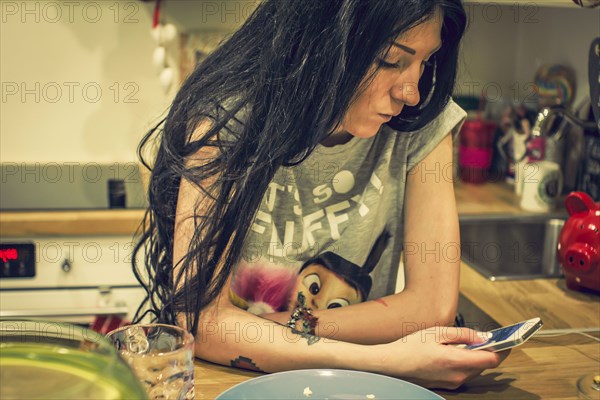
x: 161, y: 356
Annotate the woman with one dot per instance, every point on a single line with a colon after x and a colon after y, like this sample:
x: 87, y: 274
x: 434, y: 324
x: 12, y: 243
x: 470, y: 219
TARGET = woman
x: 317, y: 127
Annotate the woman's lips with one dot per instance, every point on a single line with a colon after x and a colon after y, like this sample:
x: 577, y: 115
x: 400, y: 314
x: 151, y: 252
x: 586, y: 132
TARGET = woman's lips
x: 385, y: 117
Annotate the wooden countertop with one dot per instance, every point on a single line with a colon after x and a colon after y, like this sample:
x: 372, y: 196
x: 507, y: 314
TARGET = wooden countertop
x: 511, y: 301
x: 544, y: 368
x: 487, y: 198
x: 471, y: 199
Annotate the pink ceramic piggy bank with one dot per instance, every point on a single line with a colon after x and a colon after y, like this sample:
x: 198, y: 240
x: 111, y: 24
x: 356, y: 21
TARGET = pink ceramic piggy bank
x: 579, y: 243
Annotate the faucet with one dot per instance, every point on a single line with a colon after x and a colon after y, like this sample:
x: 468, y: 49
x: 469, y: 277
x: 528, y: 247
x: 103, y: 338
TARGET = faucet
x: 558, y: 110
x: 559, y: 145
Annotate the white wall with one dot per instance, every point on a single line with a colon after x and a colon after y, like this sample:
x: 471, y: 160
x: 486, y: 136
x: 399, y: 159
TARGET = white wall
x: 488, y: 52
x: 88, y: 45
x: 46, y: 46
x: 506, y: 44
x: 560, y: 36
x: 209, y: 15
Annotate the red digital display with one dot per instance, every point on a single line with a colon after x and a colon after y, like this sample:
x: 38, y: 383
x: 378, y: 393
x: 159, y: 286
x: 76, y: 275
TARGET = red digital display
x: 9, y: 254
x: 17, y: 260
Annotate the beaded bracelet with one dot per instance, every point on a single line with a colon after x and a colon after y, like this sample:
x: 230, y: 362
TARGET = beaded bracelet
x: 301, y: 312
x: 309, y: 321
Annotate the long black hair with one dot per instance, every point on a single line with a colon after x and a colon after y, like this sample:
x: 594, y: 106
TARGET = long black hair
x: 293, y: 68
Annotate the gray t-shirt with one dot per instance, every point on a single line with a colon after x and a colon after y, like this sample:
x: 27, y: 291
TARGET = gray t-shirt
x: 336, y: 204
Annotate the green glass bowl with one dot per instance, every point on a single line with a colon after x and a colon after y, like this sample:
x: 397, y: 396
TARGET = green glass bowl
x: 52, y: 360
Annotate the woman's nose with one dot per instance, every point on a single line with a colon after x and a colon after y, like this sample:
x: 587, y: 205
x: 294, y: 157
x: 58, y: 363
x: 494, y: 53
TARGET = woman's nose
x: 406, y: 91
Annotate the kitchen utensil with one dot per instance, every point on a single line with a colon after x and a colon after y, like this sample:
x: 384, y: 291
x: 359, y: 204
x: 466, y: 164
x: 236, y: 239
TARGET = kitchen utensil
x: 556, y: 136
x: 511, y: 145
x: 52, y: 360
x: 326, y: 384
x: 519, y: 176
x: 161, y: 356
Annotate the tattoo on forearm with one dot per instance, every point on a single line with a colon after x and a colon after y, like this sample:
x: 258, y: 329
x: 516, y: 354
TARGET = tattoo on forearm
x: 245, y: 363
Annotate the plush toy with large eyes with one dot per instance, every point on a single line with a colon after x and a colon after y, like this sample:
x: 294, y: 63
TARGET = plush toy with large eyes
x: 330, y: 281
x: 326, y: 281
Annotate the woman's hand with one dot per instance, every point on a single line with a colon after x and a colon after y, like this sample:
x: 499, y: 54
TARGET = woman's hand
x: 429, y: 357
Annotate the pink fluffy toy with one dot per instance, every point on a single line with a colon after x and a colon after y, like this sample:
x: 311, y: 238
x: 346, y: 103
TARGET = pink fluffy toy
x: 263, y: 287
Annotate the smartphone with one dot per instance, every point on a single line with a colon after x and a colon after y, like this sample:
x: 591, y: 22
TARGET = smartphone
x: 509, y: 336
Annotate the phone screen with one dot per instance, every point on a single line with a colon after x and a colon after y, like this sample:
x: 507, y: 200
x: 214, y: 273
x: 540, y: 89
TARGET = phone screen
x: 499, y: 335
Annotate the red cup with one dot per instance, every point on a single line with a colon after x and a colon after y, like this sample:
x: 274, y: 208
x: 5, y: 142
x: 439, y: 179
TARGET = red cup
x: 476, y: 148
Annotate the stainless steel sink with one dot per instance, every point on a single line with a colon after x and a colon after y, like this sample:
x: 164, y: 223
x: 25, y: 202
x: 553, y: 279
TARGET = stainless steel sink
x: 507, y: 247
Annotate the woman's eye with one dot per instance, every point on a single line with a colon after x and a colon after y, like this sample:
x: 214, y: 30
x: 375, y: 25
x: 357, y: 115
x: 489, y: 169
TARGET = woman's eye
x: 337, y: 303
x: 385, y: 64
x: 312, y: 283
x: 401, y: 65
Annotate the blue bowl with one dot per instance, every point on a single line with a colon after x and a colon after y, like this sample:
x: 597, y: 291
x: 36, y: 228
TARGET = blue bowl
x: 326, y: 384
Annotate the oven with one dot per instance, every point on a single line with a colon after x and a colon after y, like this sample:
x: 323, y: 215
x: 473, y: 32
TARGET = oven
x: 77, y: 279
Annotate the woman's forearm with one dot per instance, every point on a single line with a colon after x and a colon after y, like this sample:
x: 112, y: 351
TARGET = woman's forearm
x: 383, y: 320
x: 237, y: 338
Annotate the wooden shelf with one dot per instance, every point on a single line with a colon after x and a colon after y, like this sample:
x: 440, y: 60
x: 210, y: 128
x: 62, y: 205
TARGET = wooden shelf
x: 66, y: 223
